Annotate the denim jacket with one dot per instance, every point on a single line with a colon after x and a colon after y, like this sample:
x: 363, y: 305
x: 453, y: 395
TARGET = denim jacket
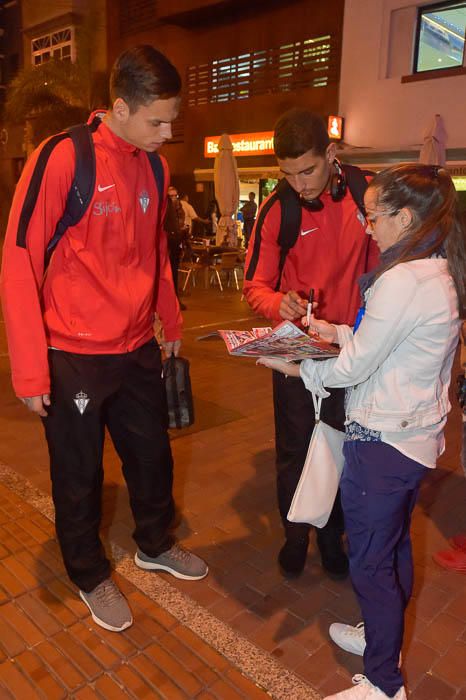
x: 398, y: 364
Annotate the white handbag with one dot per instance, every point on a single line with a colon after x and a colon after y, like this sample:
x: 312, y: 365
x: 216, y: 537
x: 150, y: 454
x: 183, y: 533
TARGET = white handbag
x: 315, y: 494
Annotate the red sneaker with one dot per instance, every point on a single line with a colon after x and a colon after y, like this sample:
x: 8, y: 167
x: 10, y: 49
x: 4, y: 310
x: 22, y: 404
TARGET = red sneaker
x: 459, y: 542
x: 452, y: 559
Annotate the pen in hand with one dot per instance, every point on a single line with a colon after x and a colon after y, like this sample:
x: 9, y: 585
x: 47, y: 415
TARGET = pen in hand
x: 309, y: 307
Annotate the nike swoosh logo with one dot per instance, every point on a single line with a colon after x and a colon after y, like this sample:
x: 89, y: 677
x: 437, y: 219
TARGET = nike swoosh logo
x: 309, y: 230
x: 107, y: 187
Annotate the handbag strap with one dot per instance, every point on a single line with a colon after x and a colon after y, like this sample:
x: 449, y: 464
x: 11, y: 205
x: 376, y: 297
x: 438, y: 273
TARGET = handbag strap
x: 317, y: 401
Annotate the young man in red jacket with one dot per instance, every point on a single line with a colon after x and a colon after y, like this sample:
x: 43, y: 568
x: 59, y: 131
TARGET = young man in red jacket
x: 331, y: 251
x: 81, y: 340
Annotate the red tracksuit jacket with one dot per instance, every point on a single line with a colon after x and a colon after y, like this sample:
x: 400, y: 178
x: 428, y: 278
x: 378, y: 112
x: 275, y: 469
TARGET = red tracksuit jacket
x: 331, y: 252
x: 97, y: 295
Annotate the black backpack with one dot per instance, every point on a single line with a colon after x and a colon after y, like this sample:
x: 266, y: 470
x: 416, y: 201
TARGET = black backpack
x: 82, y: 187
x: 291, y: 213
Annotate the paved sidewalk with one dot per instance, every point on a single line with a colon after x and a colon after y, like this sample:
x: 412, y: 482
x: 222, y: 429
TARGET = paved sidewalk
x: 50, y: 648
x: 273, y: 631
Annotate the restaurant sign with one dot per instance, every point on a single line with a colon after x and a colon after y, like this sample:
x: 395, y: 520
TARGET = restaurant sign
x: 259, y: 143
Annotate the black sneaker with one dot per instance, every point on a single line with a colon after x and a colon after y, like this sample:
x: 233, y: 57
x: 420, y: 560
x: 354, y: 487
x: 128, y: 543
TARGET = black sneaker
x: 183, y: 307
x: 292, y: 557
x: 334, y: 560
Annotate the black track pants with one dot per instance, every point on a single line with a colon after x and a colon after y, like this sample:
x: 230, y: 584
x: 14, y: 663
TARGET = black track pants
x: 126, y: 394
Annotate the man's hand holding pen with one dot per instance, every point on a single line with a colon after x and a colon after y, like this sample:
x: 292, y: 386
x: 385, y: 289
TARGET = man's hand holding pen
x: 292, y: 306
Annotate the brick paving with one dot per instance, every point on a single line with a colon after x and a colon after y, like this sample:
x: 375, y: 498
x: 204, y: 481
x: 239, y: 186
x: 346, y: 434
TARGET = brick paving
x: 225, y: 493
x: 49, y: 647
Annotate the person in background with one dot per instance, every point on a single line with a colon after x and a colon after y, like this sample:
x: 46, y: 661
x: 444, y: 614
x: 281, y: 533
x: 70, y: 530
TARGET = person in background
x: 213, y: 216
x: 177, y: 233
x: 249, y: 211
x: 331, y: 251
x: 454, y: 559
x: 396, y: 367
x: 81, y: 338
x: 190, y: 215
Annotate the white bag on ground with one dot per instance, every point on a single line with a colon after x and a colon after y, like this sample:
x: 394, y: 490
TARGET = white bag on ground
x: 315, y: 494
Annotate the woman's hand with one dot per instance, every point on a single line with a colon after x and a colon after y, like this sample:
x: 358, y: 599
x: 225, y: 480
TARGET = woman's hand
x: 290, y: 369
x: 318, y: 327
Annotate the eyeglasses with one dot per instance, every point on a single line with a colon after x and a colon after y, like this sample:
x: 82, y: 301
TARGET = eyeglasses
x: 371, y: 218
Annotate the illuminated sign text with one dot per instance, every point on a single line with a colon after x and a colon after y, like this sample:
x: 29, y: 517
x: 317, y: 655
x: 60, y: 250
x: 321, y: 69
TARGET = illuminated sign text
x: 254, y: 144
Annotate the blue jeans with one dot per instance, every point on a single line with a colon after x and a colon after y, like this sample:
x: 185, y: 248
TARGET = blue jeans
x: 379, y: 488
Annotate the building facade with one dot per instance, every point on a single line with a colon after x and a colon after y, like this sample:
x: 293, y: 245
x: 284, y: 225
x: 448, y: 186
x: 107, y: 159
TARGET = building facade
x: 11, y: 60
x: 32, y: 34
x: 403, y: 62
x: 243, y: 64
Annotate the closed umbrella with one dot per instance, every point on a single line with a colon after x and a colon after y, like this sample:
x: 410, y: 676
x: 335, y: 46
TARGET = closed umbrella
x: 435, y: 137
x: 226, y: 192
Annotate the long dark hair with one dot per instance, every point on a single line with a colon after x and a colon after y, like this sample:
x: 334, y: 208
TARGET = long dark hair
x: 428, y: 192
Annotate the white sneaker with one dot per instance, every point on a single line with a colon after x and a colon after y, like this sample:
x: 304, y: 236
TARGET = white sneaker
x: 349, y: 638
x: 364, y: 690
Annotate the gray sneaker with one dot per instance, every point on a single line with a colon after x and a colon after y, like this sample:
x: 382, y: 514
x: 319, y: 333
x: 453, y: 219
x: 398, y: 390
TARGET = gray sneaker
x: 177, y: 561
x: 108, y: 606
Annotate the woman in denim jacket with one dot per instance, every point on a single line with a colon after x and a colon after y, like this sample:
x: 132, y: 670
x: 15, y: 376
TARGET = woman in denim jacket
x: 397, y: 370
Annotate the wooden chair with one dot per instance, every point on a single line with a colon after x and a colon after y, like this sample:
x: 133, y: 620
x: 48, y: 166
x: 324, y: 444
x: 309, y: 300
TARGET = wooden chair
x: 197, y: 258
x: 226, y: 262
x: 190, y: 268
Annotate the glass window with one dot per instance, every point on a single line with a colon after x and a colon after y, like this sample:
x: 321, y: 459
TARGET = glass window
x: 302, y: 64
x: 440, y: 36
x: 59, y: 45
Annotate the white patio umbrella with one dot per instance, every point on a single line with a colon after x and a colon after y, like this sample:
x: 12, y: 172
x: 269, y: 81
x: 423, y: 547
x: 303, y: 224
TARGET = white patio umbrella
x: 226, y: 192
x: 435, y: 137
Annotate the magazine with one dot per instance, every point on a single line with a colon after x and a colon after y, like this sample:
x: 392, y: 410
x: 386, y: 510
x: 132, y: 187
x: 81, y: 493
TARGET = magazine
x: 286, y: 341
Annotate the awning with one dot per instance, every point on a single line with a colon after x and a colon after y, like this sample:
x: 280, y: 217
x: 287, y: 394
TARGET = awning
x: 207, y: 174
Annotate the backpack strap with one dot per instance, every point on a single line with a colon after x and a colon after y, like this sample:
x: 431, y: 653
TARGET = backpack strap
x: 357, y: 184
x: 34, y: 187
x: 290, y: 222
x: 159, y: 176
x: 83, y: 185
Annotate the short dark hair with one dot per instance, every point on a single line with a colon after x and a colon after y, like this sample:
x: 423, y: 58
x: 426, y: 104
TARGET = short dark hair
x: 299, y: 131
x: 141, y: 75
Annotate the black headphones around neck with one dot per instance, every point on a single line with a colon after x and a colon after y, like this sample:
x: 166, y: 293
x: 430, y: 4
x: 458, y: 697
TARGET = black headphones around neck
x: 337, y: 189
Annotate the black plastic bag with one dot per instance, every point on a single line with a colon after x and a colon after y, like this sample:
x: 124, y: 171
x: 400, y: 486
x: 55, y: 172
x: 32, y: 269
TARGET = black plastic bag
x: 179, y: 392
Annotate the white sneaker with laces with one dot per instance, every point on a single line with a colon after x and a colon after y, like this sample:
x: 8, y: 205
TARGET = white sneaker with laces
x: 364, y: 690
x: 349, y: 638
